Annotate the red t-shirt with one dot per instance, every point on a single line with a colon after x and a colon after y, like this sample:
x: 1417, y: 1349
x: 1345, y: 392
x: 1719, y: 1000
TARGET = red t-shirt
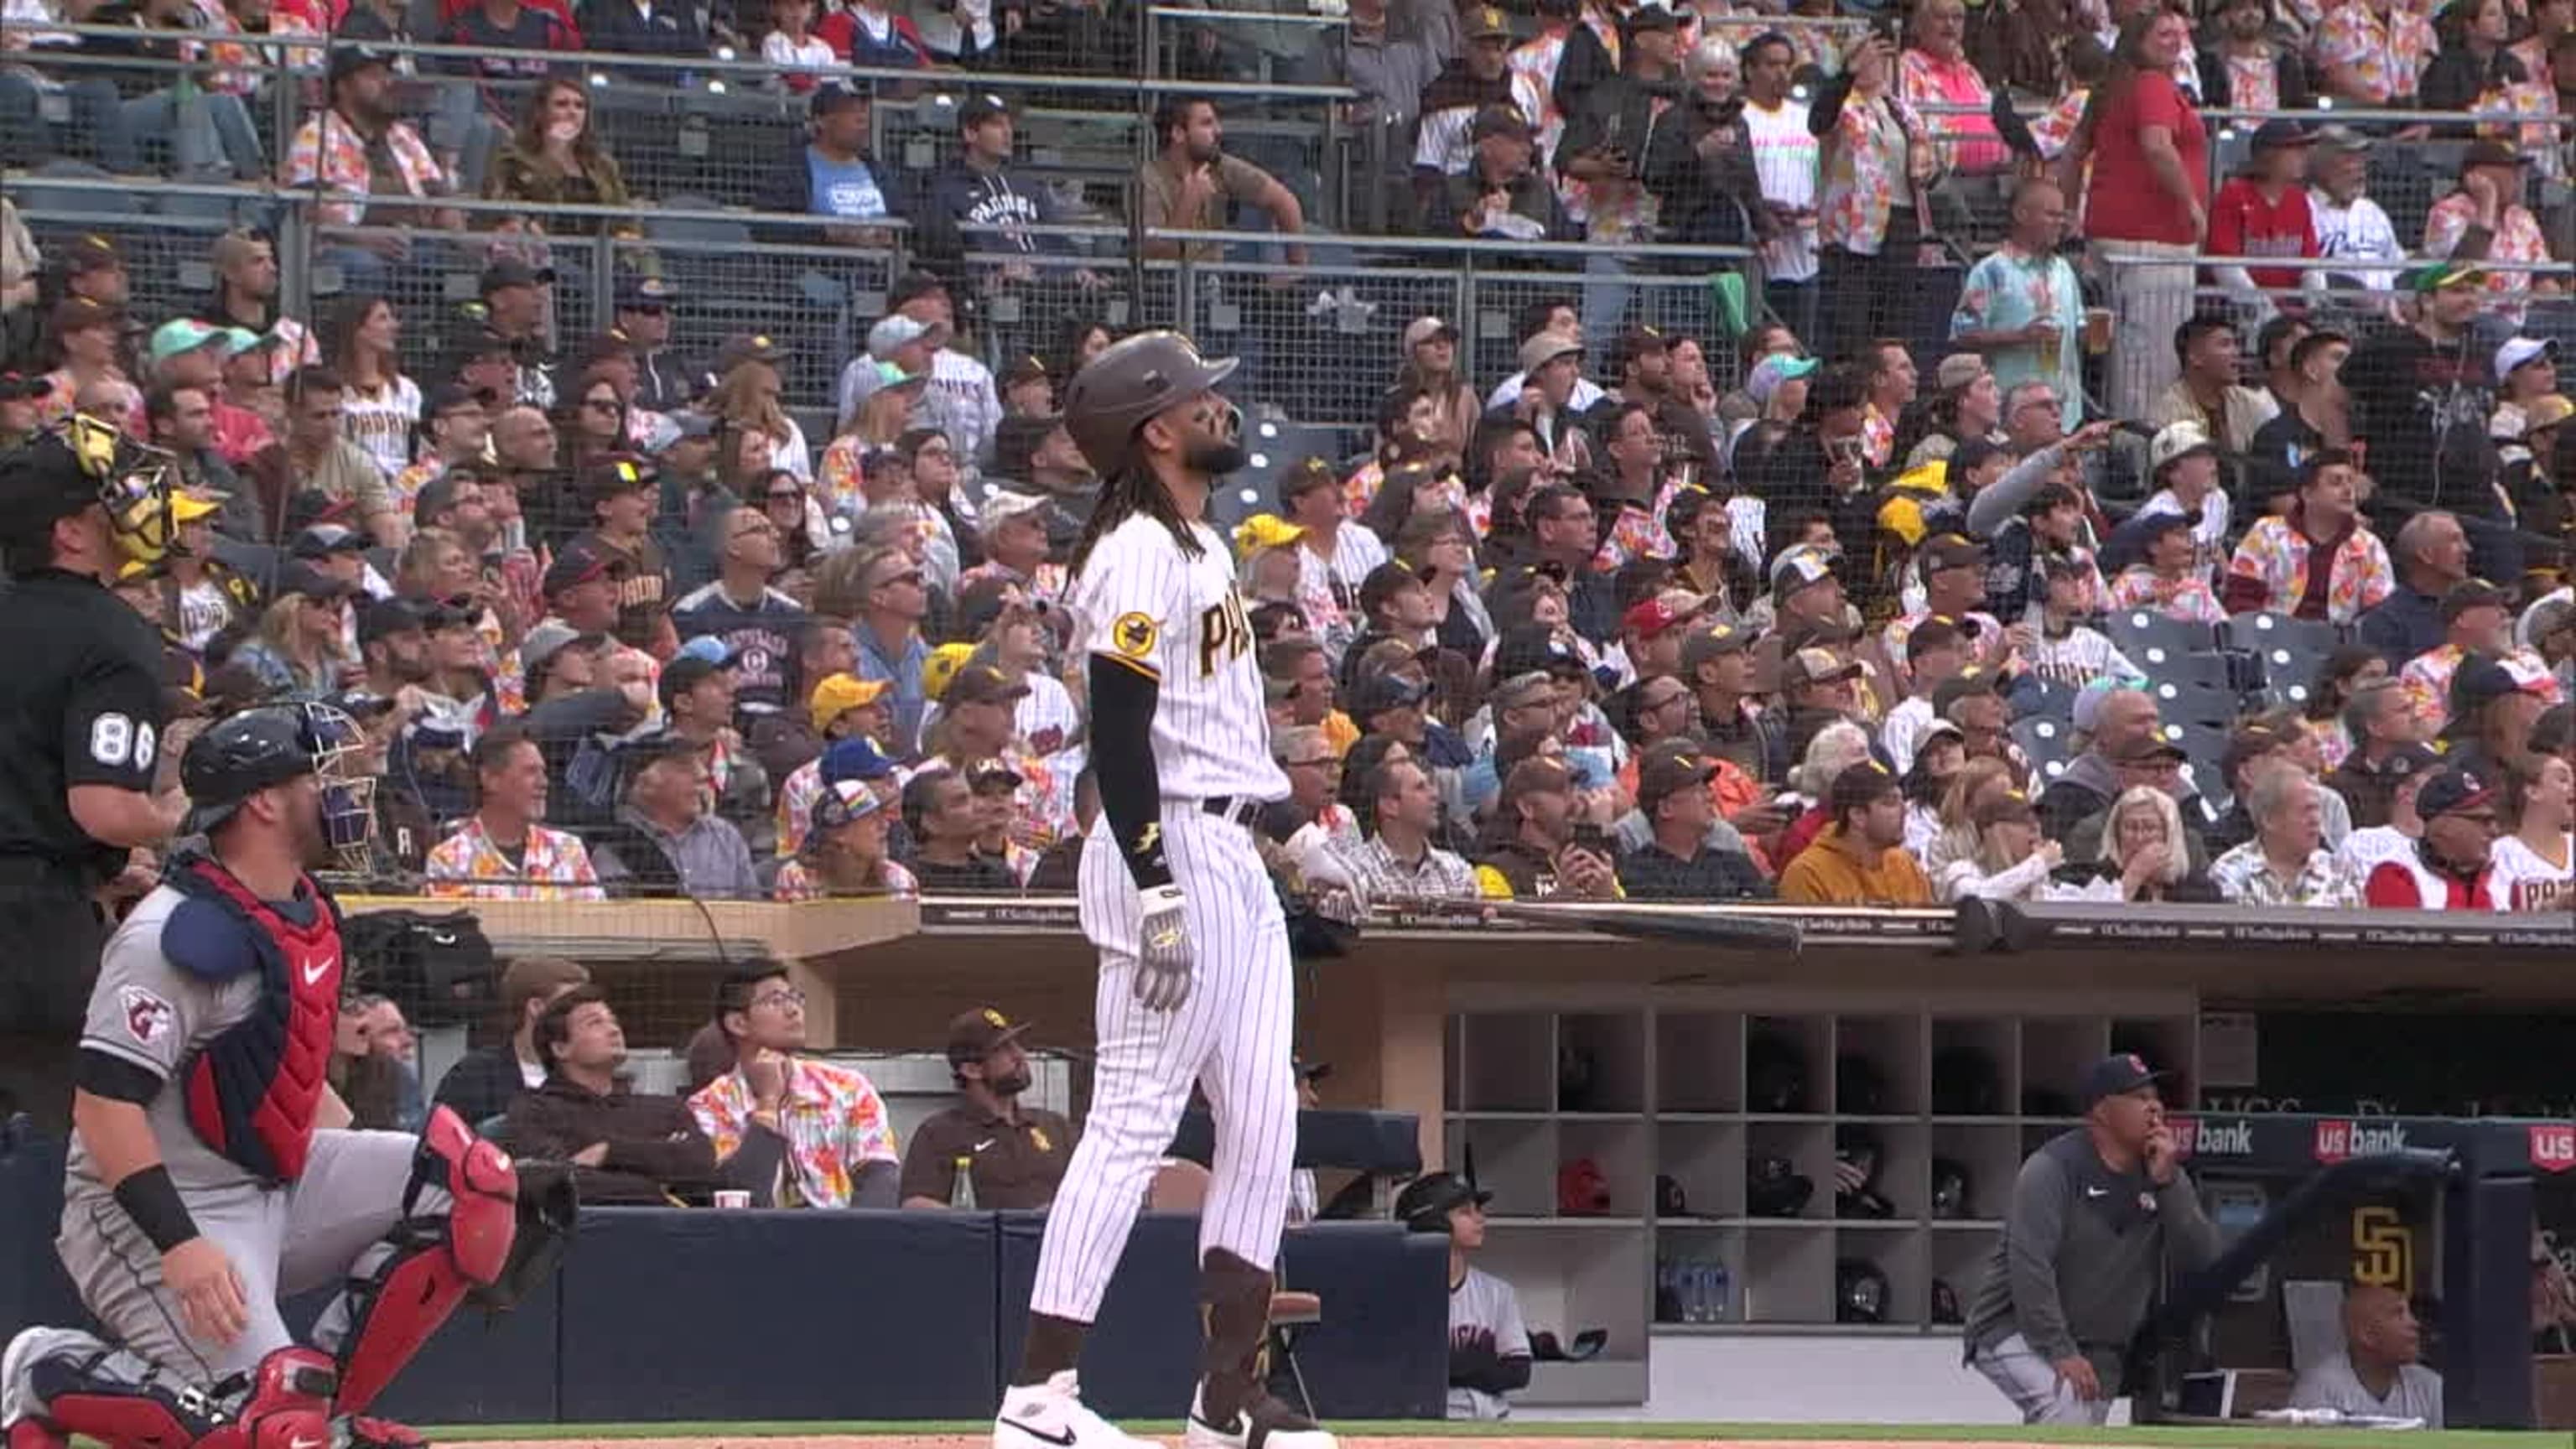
x: 2244, y: 223
x: 2126, y: 202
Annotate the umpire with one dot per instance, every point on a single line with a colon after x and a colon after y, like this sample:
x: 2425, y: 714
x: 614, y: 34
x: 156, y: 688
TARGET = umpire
x: 2100, y: 1217
x: 80, y: 733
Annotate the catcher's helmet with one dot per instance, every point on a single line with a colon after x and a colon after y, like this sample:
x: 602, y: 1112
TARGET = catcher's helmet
x: 1860, y: 1292
x: 1130, y: 381
x: 1860, y: 1088
x: 1950, y: 1189
x: 1426, y: 1202
x: 258, y: 749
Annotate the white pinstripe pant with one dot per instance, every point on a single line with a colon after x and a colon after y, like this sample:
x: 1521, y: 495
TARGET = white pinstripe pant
x: 1232, y: 1037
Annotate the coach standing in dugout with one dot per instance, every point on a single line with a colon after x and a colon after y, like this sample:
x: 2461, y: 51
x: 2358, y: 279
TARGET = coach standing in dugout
x: 2101, y: 1216
x: 80, y: 728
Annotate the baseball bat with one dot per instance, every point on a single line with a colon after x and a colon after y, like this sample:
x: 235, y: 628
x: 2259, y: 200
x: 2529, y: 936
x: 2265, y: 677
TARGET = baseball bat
x: 1732, y: 932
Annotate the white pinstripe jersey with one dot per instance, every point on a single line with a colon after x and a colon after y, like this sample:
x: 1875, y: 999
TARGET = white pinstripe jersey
x: 1146, y: 606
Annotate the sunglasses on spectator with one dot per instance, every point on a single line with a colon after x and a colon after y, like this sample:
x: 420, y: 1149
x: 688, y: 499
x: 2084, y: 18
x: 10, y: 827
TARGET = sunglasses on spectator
x: 786, y: 495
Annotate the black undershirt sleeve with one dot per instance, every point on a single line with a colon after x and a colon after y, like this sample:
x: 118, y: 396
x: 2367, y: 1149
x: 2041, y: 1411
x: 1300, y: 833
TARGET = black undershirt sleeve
x: 1122, y: 760
x: 105, y: 1074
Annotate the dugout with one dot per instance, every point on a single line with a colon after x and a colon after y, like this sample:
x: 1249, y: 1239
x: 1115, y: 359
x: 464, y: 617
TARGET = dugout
x: 2438, y: 1209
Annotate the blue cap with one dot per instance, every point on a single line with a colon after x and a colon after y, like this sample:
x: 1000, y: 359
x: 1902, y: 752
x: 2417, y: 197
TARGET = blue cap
x: 709, y: 647
x: 854, y: 759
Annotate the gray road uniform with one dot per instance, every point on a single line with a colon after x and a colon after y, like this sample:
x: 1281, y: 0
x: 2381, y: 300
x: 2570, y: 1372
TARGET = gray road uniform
x: 282, y: 1239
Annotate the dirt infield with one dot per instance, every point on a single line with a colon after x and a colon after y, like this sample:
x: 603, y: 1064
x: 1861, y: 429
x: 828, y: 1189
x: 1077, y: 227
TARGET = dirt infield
x: 983, y: 1441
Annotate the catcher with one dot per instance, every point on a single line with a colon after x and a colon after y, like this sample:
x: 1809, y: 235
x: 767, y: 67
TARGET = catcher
x: 211, y: 1170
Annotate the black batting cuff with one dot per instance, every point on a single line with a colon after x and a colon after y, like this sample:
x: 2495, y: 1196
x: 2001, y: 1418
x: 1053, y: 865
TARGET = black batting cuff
x: 1122, y: 761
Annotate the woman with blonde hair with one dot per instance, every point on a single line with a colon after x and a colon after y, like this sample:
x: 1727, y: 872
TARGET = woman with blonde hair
x: 2145, y: 856
x: 747, y: 398
x: 1957, y: 840
x: 2012, y: 862
x: 301, y: 646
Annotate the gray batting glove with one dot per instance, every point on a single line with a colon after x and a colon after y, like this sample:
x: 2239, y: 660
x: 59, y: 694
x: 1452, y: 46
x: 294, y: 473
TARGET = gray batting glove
x: 1163, y: 951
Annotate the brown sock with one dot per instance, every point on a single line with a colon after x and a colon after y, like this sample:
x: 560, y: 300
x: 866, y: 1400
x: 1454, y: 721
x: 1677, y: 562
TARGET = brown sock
x: 1236, y: 1299
x: 1054, y: 1345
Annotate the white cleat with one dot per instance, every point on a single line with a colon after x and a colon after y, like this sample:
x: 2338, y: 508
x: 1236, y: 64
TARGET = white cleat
x: 1267, y: 1424
x: 1051, y: 1416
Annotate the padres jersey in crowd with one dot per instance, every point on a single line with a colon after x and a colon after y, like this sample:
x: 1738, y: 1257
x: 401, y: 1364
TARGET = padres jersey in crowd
x: 1178, y: 620
x: 1484, y: 1307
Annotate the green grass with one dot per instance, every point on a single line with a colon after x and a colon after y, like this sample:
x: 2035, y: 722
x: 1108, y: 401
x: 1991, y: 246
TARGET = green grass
x: 2248, y: 1437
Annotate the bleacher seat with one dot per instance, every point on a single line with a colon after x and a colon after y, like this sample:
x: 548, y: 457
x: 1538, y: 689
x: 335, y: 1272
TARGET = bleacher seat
x: 2046, y: 741
x: 2288, y: 653
x: 2144, y: 634
x: 2045, y: 699
x: 2193, y: 703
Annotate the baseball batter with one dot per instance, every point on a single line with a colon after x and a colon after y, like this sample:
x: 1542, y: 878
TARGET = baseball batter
x: 1194, y: 966
x: 207, y: 1177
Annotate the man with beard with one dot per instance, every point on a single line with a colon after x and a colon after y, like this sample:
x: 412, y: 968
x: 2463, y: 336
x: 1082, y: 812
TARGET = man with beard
x: 367, y: 163
x: 1190, y: 182
x: 626, y: 1147
x: 454, y: 429
x: 1481, y: 77
x: 393, y: 640
x: 1011, y: 1156
x: 245, y: 298
x: 1194, y: 968
x: 207, y: 1152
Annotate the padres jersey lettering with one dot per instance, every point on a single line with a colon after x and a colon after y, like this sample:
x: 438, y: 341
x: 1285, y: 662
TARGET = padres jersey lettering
x: 1177, y: 620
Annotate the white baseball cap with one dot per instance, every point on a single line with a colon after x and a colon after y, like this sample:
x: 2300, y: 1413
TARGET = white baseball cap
x: 2177, y: 441
x: 2517, y: 351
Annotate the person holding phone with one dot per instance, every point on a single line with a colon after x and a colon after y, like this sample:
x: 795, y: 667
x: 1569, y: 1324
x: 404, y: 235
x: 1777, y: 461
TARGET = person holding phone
x: 1538, y: 849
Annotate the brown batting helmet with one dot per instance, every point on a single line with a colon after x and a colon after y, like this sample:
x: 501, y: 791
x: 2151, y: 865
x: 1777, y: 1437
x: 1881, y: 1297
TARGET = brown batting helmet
x: 1131, y: 381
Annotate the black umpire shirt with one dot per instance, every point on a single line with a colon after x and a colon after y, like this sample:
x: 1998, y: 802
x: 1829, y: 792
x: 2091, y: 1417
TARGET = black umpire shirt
x: 80, y: 704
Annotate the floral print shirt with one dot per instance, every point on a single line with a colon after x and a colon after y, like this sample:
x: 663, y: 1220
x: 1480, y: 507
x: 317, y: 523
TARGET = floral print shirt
x: 554, y: 867
x: 329, y: 153
x: 1859, y: 187
x: 795, y: 883
x: 2189, y: 599
x: 1968, y: 141
x: 2387, y: 54
x: 2276, y: 552
x: 832, y: 1118
x: 2517, y: 239
x: 2245, y: 878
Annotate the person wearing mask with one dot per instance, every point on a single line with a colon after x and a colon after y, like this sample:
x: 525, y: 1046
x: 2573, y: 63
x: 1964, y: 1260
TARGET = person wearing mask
x: 2449, y: 868
x: 2099, y: 1217
x: 1860, y: 858
x: 486, y: 1080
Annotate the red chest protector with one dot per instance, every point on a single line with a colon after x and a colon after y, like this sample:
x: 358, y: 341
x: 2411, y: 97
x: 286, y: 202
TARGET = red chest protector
x: 253, y: 1090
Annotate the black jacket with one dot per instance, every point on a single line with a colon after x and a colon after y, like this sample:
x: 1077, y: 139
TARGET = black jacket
x: 618, y: 25
x: 656, y: 1153
x: 482, y: 1084
x: 789, y: 190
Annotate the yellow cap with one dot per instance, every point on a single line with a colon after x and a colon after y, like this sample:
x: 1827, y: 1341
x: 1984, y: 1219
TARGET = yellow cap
x: 942, y: 666
x: 1265, y: 530
x: 838, y: 694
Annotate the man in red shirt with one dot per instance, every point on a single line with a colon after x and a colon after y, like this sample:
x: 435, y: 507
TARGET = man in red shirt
x: 2449, y: 868
x: 2263, y: 212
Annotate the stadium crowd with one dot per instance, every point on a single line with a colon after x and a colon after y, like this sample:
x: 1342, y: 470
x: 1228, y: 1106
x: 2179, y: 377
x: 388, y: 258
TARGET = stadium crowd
x: 1860, y: 597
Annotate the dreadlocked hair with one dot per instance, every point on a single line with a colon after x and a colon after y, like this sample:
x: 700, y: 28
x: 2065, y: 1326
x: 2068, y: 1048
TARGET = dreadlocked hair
x: 1134, y: 491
